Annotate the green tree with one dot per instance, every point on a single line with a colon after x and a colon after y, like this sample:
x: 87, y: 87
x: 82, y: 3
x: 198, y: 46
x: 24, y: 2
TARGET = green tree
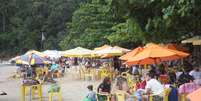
x: 90, y: 25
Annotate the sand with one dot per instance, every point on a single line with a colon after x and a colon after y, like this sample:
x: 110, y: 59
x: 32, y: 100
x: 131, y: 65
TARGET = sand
x: 72, y: 88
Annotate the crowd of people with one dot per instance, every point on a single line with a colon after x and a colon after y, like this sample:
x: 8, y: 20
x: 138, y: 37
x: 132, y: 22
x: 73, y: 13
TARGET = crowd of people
x: 153, y: 82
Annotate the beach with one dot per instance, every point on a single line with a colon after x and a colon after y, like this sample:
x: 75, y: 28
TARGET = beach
x: 72, y: 88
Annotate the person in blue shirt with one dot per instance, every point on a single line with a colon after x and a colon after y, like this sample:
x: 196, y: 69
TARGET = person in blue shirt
x: 91, y: 95
x: 54, y: 66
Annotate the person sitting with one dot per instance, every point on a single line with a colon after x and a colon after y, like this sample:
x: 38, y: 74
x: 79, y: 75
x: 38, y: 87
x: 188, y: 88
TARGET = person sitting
x: 122, y: 88
x: 178, y: 73
x: 185, y: 78
x: 141, y: 83
x: 91, y: 95
x: 195, y: 73
x: 54, y: 67
x: 154, y: 87
x: 105, y: 86
x: 172, y: 77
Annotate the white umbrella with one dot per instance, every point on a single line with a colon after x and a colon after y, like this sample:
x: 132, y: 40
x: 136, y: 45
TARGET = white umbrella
x: 78, y: 52
x: 109, y: 51
x: 52, y: 53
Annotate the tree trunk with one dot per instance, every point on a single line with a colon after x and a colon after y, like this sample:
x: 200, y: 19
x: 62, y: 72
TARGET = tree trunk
x: 3, y: 22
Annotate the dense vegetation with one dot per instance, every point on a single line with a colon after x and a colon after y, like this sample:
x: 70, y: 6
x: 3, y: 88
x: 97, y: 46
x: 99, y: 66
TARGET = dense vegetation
x: 91, y: 23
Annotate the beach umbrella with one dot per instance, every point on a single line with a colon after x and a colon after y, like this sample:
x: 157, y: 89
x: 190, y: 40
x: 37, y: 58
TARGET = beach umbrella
x: 197, y: 42
x: 78, y: 52
x: 175, y: 47
x: 14, y: 59
x: 102, y: 47
x: 153, y: 53
x: 37, y: 53
x: 195, y: 95
x: 111, y: 51
x: 131, y: 54
x: 52, y: 53
x: 191, y: 40
x: 31, y: 59
x: 124, y: 50
x: 171, y: 46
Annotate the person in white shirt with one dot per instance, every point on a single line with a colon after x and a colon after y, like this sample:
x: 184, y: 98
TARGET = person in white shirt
x: 154, y: 87
x: 195, y: 73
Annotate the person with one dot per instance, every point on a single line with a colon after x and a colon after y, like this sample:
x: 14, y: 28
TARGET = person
x: 91, y: 95
x: 154, y: 87
x: 185, y: 78
x: 172, y: 77
x: 195, y: 73
x: 122, y: 87
x: 105, y: 86
x: 54, y: 67
x: 178, y: 73
x: 135, y: 70
x: 141, y: 83
x: 116, y: 63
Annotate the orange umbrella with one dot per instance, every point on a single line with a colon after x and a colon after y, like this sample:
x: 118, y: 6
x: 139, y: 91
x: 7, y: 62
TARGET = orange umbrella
x: 195, y: 96
x: 175, y: 47
x: 153, y: 53
x: 171, y: 46
x: 131, y: 54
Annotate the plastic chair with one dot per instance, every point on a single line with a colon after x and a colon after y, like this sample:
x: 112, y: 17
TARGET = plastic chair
x: 104, y: 73
x: 182, y: 97
x: 89, y: 74
x: 129, y: 78
x: 33, y: 88
x: 55, y: 93
x: 165, y: 95
x: 120, y: 96
x: 103, y: 97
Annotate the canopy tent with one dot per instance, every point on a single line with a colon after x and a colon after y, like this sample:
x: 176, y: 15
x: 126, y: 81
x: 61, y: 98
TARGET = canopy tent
x: 153, y: 53
x: 195, y: 96
x: 78, y: 52
x: 109, y: 51
x: 191, y: 40
x: 102, y: 47
x: 52, y: 53
x: 131, y: 54
x: 124, y: 50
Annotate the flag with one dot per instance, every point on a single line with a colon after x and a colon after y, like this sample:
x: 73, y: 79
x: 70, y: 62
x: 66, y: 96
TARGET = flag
x: 43, y: 37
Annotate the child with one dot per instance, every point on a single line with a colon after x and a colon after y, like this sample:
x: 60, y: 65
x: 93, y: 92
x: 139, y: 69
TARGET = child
x: 91, y: 95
